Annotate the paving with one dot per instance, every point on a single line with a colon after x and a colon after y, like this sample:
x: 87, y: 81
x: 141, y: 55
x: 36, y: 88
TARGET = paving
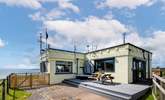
x: 64, y: 92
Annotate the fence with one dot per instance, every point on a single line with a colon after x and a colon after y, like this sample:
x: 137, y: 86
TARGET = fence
x: 3, y: 89
x: 28, y: 80
x: 158, y: 87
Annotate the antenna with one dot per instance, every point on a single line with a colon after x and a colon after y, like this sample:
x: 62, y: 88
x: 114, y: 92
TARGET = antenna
x: 46, y: 33
x: 124, y: 38
x: 88, y: 47
x: 75, y: 51
x: 40, y: 43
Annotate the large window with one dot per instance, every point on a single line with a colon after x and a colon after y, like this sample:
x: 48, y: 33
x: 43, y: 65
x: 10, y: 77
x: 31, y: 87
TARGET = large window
x: 63, y: 67
x: 107, y: 65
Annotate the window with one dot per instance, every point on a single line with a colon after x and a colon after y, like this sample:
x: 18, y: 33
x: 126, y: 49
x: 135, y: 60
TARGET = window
x: 63, y: 67
x: 107, y: 65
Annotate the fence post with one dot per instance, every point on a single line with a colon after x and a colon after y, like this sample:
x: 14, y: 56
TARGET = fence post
x: 31, y: 80
x: 48, y: 79
x: 7, y: 84
x: 3, y: 90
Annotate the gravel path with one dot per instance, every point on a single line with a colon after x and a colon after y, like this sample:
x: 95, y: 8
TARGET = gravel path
x: 64, y: 92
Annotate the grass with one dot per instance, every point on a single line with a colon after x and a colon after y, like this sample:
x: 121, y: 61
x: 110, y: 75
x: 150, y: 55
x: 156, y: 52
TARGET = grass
x: 147, y: 96
x: 19, y: 94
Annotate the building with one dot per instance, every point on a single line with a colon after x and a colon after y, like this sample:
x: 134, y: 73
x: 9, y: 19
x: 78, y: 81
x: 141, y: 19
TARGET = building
x: 127, y: 63
x: 159, y: 71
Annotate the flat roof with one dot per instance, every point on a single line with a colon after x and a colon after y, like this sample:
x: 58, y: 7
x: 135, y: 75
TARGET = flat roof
x: 102, y: 49
x: 66, y: 50
x: 119, y: 46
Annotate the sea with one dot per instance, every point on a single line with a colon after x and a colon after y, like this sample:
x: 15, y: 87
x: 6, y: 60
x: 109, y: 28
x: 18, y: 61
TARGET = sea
x: 5, y: 72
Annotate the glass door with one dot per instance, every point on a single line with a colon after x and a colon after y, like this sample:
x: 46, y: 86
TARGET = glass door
x: 139, y: 70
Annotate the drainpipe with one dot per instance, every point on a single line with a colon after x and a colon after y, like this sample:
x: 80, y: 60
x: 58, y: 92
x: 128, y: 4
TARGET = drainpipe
x: 77, y: 65
x: 149, y: 66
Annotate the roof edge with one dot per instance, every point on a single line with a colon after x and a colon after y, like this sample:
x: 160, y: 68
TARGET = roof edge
x: 66, y: 50
x: 102, y: 49
x: 119, y: 46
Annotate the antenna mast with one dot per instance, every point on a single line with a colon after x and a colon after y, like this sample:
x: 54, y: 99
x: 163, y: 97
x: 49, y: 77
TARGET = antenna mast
x: 74, y: 50
x: 40, y: 43
x: 46, y: 33
x: 87, y: 48
x: 124, y: 38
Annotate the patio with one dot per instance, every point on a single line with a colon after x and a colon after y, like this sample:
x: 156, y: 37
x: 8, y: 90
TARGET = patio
x: 116, y: 90
x: 65, y: 92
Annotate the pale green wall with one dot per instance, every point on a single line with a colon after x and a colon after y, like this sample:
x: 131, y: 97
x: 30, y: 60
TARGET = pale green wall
x: 121, y: 61
x: 54, y: 56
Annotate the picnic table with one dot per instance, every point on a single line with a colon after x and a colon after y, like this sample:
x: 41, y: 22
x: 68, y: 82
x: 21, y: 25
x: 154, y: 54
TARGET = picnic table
x: 103, y: 77
x: 106, y: 77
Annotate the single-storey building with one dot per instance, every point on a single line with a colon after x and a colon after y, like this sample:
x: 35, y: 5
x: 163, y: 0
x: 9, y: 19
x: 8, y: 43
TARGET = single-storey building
x: 127, y: 63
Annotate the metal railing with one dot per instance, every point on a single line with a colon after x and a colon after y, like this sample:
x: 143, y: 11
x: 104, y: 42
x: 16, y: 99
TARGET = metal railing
x: 158, y: 87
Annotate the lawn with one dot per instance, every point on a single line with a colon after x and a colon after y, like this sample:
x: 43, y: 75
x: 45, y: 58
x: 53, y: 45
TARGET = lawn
x: 19, y: 94
x: 147, y: 96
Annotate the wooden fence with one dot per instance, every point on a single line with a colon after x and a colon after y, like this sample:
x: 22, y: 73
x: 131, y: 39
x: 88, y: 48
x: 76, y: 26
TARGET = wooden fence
x: 2, y: 89
x: 158, y: 87
x: 28, y: 80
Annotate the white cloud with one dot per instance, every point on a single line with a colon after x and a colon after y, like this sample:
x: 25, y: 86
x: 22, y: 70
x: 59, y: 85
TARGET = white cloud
x: 55, y: 12
x: 34, y: 4
x: 66, y: 4
x: 92, y: 29
x: 131, y: 4
x: 47, y: 15
x: 2, y: 43
x: 156, y: 44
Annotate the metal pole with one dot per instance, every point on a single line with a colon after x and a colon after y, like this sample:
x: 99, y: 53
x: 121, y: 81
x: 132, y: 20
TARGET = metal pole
x: 124, y: 35
x: 40, y: 43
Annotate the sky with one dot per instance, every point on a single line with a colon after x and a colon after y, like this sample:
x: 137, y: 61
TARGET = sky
x: 97, y: 23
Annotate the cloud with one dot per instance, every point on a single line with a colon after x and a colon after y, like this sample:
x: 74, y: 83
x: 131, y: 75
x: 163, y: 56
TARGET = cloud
x: 130, y: 4
x: 47, y: 15
x: 55, y: 12
x: 34, y: 4
x: 66, y: 4
x: 91, y: 28
x: 156, y: 44
x: 2, y: 43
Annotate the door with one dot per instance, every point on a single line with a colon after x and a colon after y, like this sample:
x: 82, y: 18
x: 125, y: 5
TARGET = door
x: 139, y: 70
